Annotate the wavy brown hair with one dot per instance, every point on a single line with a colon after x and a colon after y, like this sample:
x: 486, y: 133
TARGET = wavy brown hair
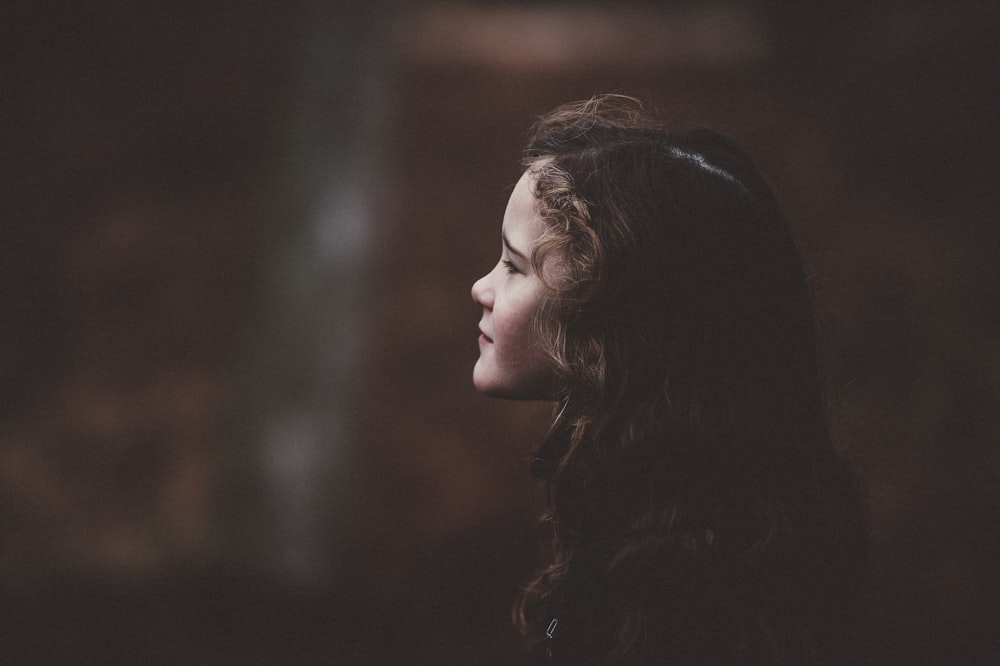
x: 698, y: 512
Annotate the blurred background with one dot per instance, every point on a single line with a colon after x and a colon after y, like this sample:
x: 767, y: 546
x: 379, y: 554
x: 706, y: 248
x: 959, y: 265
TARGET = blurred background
x: 236, y: 246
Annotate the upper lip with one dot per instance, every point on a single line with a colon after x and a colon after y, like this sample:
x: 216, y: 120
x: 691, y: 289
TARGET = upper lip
x: 483, y: 333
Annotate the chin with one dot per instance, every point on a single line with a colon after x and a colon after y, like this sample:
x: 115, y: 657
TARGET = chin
x: 531, y: 384
x: 493, y: 389
x: 512, y: 391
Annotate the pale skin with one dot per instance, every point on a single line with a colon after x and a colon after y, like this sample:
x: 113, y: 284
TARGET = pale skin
x: 511, y: 361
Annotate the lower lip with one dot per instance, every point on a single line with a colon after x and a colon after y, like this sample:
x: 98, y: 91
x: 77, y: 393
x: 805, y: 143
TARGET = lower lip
x: 483, y: 340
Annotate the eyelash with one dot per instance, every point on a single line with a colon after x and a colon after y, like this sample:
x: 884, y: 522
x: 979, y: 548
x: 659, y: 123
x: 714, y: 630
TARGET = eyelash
x: 511, y: 268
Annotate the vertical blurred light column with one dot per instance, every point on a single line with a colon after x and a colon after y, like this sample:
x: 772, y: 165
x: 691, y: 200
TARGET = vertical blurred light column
x: 305, y: 355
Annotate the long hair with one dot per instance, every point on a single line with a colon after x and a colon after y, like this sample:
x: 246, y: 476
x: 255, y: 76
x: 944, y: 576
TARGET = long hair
x: 698, y: 511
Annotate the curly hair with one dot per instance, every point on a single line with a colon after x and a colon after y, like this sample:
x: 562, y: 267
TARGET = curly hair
x: 698, y: 511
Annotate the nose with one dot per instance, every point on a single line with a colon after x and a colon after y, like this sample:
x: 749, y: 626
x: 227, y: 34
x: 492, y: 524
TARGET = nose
x: 482, y: 293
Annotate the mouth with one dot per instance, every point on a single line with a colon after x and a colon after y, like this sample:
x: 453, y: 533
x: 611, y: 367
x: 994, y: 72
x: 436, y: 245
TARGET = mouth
x: 483, y: 338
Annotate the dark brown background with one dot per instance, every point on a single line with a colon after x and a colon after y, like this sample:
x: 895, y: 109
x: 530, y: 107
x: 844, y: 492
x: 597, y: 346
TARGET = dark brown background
x: 236, y: 243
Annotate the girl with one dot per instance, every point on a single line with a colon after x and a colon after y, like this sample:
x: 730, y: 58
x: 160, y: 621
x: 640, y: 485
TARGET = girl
x: 648, y: 286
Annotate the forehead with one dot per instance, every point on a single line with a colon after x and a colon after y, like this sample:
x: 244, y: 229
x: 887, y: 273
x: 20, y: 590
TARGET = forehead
x: 521, y: 219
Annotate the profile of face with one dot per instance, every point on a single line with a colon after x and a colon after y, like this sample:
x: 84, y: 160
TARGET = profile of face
x: 511, y: 361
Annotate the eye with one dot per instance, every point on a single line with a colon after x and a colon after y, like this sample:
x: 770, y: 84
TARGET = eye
x: 511, y: 268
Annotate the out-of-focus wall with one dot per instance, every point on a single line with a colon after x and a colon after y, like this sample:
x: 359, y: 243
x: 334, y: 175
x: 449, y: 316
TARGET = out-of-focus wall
x: 236, y: 245
x: 136, y: 166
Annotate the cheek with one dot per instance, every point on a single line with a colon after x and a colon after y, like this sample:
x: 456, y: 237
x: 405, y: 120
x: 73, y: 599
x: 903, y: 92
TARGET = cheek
x: 515, y: 327
x: 519, y: 348
x: 515, y: 366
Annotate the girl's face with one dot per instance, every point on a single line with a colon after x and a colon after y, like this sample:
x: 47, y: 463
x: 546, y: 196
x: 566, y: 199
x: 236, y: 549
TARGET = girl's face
x: 511, y: 361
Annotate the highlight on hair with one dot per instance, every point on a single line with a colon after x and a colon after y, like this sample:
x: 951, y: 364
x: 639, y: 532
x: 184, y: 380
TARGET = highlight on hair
x: 698, y: 512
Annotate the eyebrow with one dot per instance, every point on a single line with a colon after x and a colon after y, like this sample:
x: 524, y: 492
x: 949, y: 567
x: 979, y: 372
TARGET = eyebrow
x: 511, y: 248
